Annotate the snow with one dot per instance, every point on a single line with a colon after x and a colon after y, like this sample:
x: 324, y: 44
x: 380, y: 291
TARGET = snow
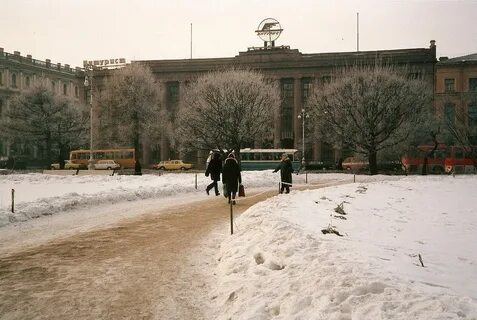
x: 278, y: 264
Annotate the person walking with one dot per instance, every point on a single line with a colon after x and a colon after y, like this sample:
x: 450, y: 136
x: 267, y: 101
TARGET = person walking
x: 286, y: 170
x: 231, y: 176
x: 214, y: 168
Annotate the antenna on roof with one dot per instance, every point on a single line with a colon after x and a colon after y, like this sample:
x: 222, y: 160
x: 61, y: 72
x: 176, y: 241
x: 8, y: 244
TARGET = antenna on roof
x: 191, y: 40
x: 357, y: 31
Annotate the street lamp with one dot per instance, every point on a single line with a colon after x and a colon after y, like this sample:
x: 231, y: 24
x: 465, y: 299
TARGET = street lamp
x: 302, y: 115
x: 88, y: 82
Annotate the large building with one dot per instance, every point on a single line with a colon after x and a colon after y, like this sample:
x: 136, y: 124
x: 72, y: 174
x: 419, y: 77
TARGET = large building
x: 20, y: 73
x: 455, y: 92
x: 296, y: 72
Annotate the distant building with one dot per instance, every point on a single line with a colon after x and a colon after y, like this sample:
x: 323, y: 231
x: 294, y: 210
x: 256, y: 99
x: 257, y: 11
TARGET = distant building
x: 297, y: 73
x: 456, y: 91
x: 20, y: 73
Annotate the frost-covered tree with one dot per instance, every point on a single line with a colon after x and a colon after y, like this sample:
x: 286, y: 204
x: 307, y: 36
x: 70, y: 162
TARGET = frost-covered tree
x: 369, y: 109
x: 53, y: 122
x: 229, y: 109
x: 129, y: 109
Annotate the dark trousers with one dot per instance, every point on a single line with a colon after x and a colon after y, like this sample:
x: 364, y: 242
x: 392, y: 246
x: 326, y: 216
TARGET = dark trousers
x: 232, y: 197
x: 285, y: 187
x: 215, y: 186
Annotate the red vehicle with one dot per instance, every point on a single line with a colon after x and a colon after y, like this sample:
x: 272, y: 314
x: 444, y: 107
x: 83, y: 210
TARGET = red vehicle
x: 415, y: 159
x: 460, y: 159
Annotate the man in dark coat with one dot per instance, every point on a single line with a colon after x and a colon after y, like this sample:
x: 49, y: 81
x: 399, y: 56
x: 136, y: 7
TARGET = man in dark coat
x: 214, y: 169
x: 286, y: 170
x: 231, y: 176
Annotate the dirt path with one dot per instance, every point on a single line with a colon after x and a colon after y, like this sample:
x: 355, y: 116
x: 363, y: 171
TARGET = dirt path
x: 139, y: 269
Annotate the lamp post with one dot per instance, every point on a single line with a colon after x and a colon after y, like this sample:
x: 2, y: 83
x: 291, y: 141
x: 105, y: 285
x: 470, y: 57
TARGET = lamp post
x: 88, y: 82
x: 302, y: 115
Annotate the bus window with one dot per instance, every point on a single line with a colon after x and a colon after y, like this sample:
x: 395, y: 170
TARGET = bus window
x: 99, y: 155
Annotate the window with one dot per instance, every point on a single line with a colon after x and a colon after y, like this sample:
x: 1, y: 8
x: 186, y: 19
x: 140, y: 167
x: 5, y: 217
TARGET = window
x: 172, y: 95
x: 287, y: 90
x: 472, y: 115
x: 76, y: 92
x: 306, y: 88
x: 449, y: 113
x: 53, y: 86
x: 65, y: 89
x: 449, y: 85
x: 473, y: 84
x: 1, y: 79
x: 287, y: 109
x: 1, y: 109
x: 14, y: 80
x: 27, y: 82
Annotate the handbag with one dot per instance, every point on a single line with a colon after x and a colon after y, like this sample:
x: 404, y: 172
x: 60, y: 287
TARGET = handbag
x: 241, y: 192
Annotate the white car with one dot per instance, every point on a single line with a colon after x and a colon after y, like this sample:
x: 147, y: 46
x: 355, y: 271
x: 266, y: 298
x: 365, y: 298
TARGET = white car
x: 106, y: 165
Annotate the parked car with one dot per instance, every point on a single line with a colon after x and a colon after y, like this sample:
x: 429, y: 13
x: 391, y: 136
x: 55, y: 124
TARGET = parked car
x: 355, y: 164
x: 12, y: 163
x: 172, y: 165
x: 69, y: 166
x: 361, y: 164
x: 106, y: 165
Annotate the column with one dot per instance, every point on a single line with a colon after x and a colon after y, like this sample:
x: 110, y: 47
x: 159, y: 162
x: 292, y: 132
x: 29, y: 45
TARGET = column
x: 297, y: 105
x: 164, y: 143
x: 276, y: 118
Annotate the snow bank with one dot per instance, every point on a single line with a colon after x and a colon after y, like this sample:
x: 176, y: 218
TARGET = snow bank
x: 279, y: 264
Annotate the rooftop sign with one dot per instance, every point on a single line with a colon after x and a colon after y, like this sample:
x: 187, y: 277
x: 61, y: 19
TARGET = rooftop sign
x: 269, y: 30
x: 106, y: 63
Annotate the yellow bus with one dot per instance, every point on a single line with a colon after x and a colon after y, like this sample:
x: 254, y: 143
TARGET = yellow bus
x: 124, y: 156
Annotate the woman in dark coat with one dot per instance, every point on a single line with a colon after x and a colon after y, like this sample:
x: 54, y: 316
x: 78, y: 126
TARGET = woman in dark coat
x: 231, y: 176
x: 286, y: 170
x: 214, y: 169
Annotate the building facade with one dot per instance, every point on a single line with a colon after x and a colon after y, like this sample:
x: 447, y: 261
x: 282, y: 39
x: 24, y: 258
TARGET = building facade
x: 297, y: 73
x: 20, y: 73
x: 455, y: 92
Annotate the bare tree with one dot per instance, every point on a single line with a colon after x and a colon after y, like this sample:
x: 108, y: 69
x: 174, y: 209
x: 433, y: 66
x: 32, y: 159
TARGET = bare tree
x: 369, y: 108
x: 462, y: 124
x: 40, y: 117
x: 129, y: 108
x: 227, y: 110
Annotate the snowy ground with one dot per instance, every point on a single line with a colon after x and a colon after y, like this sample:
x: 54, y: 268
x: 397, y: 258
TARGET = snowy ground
x: 279, y: 264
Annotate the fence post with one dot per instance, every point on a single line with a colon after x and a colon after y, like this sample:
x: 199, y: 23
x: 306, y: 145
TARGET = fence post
x: 279, y: 187
x: 231, y: 215
x: 196, y: 181
x: 13, y: 200
x: 354, y: 177
x: 306, y: 177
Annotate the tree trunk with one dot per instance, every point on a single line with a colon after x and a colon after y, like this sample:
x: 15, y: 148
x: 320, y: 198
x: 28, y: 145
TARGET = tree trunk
x: 373, y: 164
x: 48, y: 150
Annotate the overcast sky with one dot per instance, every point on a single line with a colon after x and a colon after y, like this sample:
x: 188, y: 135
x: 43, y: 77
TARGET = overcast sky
x: 70, y: 31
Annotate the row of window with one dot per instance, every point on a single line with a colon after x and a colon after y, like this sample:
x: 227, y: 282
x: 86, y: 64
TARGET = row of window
x: 13, y: 84
x: 449, y: 85
x: 450, y: 114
